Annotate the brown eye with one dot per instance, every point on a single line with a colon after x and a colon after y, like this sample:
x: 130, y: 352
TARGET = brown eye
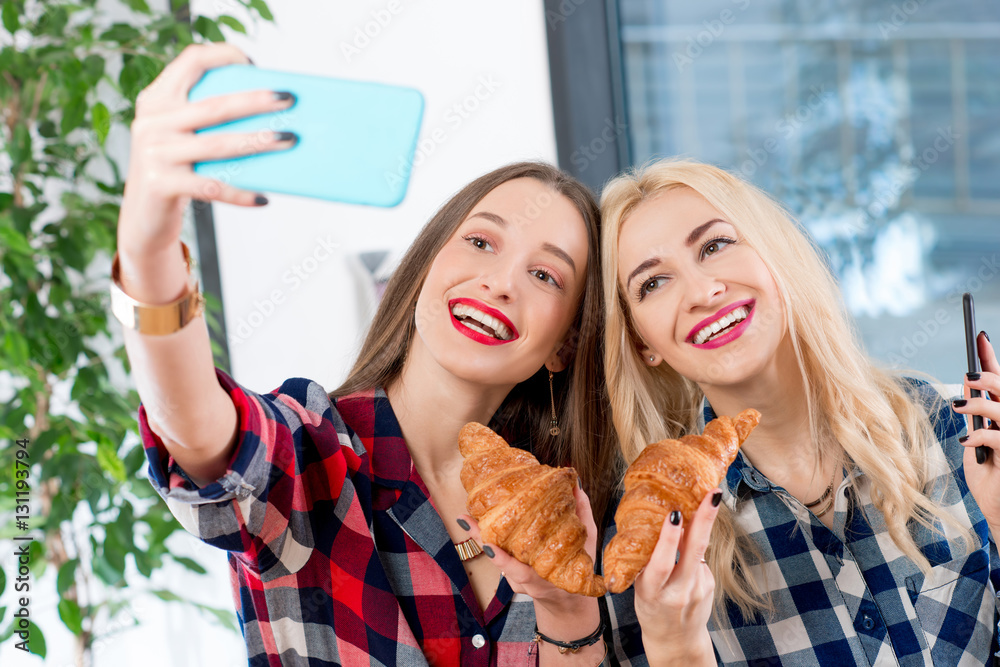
x: 545, y: 276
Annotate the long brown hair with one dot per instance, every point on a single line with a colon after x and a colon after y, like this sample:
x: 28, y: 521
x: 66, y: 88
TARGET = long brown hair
x: 587, y: 441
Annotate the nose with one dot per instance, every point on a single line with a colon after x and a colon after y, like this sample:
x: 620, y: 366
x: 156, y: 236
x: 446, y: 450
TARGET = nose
x: 498, y: 281
x: 703, y: 290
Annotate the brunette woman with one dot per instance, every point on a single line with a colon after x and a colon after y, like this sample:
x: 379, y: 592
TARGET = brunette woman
x: 339, y: 511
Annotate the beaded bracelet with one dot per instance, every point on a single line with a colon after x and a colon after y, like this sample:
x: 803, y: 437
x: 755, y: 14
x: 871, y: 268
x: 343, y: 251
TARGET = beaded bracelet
x: 572, y: 646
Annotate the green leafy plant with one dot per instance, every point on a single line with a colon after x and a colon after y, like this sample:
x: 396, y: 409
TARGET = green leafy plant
x: 68, y: 78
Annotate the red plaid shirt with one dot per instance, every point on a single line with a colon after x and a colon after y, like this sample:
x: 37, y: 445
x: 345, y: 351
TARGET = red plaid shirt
x: 338, y: 556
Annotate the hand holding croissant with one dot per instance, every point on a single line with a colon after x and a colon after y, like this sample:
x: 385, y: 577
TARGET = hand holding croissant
x: 527, y: 509
x: 669, y: 475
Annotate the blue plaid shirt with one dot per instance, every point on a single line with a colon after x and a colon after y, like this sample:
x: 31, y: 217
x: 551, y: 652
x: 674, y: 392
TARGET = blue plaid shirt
x: 848, y: 596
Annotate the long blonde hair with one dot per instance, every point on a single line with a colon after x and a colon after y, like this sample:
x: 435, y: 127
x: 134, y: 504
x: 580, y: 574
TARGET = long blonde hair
x: 876, y: 423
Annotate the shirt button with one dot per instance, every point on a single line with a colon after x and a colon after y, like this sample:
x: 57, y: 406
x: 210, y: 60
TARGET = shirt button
x: 479, y: 641
x: 868, y: 622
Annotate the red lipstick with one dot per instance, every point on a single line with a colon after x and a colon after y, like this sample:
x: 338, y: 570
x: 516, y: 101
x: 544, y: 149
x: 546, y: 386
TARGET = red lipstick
x: 475, y: 335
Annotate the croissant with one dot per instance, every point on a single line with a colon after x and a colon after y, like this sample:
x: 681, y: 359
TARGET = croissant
x: 669, y: 475
x: 527, y: 509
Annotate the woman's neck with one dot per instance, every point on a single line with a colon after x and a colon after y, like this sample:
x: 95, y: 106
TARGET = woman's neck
x: 782, y: 444
x: 431, y: 406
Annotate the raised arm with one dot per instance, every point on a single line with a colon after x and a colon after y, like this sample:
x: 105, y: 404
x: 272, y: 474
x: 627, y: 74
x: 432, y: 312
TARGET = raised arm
x: 174, y: 373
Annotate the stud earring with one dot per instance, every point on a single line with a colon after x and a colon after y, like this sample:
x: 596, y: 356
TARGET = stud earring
x: 554, y: 424
x: 652, y: 358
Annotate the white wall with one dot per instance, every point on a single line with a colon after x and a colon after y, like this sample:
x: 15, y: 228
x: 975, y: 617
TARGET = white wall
x: 483, y: 70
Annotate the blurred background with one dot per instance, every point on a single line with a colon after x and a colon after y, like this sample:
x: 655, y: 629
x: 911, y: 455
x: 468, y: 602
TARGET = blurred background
x: 877, y: 123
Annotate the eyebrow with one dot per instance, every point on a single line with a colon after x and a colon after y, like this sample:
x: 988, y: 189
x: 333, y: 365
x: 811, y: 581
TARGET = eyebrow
x: 651, y: 262
x: 699, y: 230
x: 695, y: 234
x: 548, y: 247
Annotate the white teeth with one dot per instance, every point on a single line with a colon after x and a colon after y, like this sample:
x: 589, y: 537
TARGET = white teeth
x: 715, y: 327
x: 473, y: 315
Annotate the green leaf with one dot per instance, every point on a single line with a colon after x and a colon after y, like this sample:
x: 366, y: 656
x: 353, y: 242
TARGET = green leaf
x: 106, y: 572
x: 190, y: 564
x: 100, y: 117
x: 143, y: 562
x: 121, y: 33
x: 15, y: 242
x: 231, y: 22
x: 262, y: 9
x: 37, y: 644
x: 73, y: 114
x: 93, y: 67
x: 111, y: 463
x: 3, y: 580
x: 139, y: 6
x: 72, y: 617
x: 208, y: 29
x: 11, y: 20
x: 67, y: 576
x: 137, y: 73
x: 167, y: 596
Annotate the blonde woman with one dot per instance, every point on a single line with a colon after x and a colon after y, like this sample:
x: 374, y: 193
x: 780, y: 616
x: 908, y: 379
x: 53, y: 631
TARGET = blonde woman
x: 856, y: 527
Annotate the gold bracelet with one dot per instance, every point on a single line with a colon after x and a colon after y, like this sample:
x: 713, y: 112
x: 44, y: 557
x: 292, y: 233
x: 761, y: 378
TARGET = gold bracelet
x: 155, y: 320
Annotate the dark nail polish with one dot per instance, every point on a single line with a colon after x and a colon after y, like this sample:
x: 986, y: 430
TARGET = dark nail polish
x: 959, y: 403
x: 973, y: 376
x: 981, y: 455
x: 985, y: 334
x: 675, y: 518
x: 488, y: 550
x: 283, y: 95
x: 716, y: 498
x: 463, y: 524
x: 964, y: 439
x: 260, y: 200
x: 286, y: 136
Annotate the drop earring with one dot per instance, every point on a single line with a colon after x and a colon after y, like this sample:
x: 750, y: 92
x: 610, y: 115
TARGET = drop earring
x: 554, y: 424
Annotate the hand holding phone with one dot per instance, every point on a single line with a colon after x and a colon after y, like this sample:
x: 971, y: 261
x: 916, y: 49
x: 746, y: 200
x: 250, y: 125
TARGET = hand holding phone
x: 972, y: 355
x: 356, y: 139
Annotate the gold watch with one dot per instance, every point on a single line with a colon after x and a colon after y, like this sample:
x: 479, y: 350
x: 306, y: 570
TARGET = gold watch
x: 155, y: 320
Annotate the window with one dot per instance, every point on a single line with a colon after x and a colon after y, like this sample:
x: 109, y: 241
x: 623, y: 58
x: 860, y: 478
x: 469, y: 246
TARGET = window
x: 876, y: 123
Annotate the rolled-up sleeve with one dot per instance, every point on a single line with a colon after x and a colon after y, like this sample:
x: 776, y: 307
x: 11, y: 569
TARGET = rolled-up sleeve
x: 259, y: 509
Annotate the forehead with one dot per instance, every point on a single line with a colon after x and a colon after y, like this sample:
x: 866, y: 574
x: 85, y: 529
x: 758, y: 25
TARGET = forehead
x: 538, y: 212
x: 660, y: 226
x: 677, y: 210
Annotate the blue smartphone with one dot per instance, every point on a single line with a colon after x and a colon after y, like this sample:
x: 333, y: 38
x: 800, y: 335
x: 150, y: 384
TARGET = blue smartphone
x: 356, y: 139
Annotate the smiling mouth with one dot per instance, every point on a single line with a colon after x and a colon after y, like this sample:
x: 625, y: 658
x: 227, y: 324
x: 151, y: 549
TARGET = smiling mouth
x: 722, y: 326
x: 483, y: 323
